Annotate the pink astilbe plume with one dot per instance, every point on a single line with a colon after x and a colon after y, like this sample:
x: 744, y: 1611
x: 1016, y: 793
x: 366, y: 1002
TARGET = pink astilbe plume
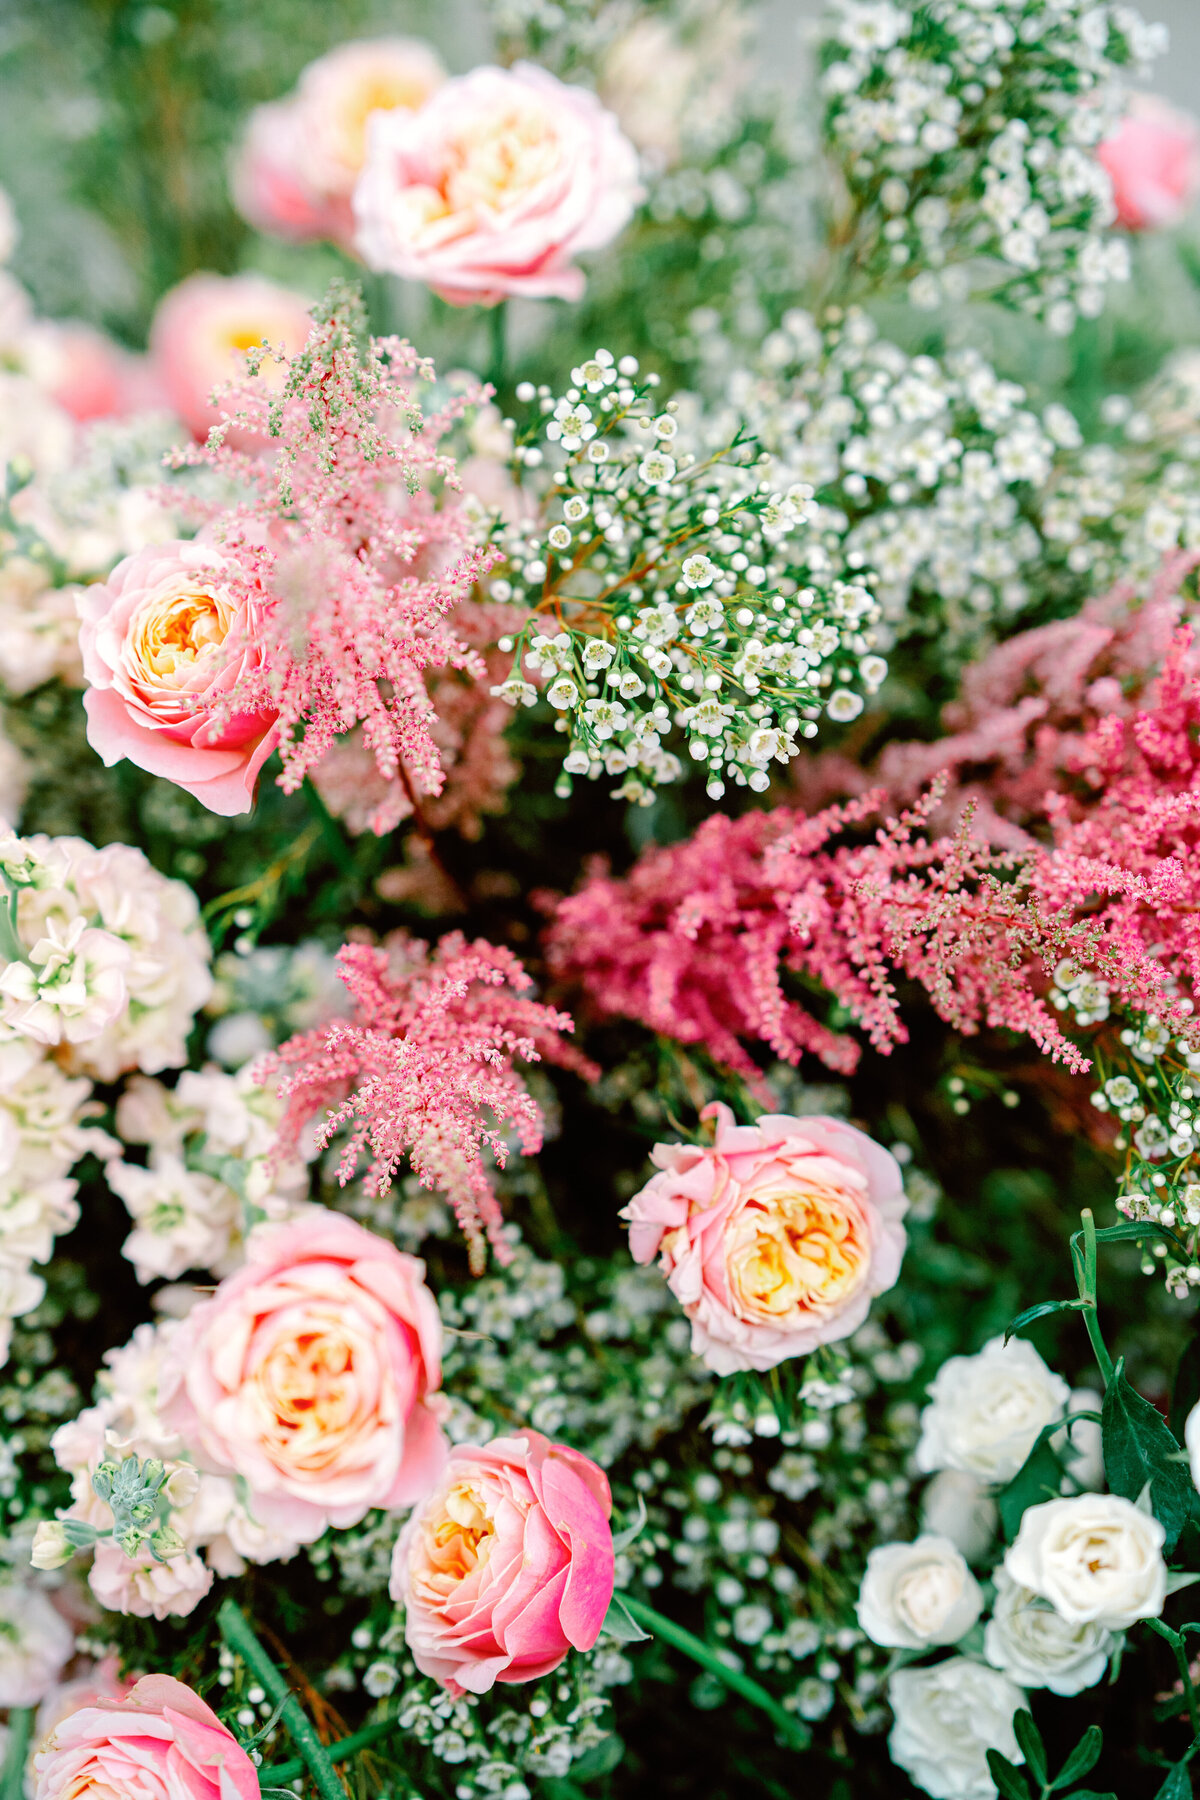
x: 349, y: 530
x: 425, y: 1070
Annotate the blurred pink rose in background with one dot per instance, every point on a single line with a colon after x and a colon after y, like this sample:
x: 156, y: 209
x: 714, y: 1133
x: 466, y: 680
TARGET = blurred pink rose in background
x: 494, y: 186
x: 776, y: 1239
x: 86, y: 372
x: 295, y: 170
x: 163, y: 641
x: 201, y: 326
x: 160, y: 1742
x: 311, y: 1374
x: 508, y: 1565
x: 1153, y: 160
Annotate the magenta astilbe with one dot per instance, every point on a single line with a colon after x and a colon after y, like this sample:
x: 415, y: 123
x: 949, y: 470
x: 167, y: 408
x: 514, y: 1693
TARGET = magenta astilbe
x: 425, y: 1070
x: 349, y: 532
x: 695, y: 942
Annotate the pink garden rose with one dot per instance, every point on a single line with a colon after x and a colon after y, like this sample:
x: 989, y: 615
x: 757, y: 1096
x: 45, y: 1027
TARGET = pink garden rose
x: 508, y: 1565
x: 494, y: 186
x: 163, y: 641
x: 776, y: 1239
x: 159, y: 1743
x: 311, y: 1375
x: 1153, y: 160
x: 203, y: 326
x: 296, y: 169
x: 87, y: 373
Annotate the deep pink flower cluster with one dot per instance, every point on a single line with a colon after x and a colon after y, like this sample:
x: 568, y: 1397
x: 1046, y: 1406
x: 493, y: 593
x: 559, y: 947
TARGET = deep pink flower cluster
x: 698, y: 940
x: 426, y: 1062
x: 352, y: 531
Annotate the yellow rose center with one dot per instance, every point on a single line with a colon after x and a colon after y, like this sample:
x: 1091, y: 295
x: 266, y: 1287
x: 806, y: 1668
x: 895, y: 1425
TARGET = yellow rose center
x: 382, y: 91
x: 795, y: 1252
x: 172, y: 635
x: 462, y: 1533
x: 308, y: 1385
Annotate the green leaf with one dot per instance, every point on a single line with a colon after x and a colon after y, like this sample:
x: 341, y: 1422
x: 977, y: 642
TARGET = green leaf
x: 1042, y: 1310
x: 1177, y: 1786
x: 1139, y: 1448
x: 622, y: 1539
x: 1093, y: 1794
x: 1083, y: 1758
x: 620, y: 1624
x: 1185, y: 1390
x: 601, y: 1759
x: 1006, y: 1777
x: 1131, y: 1229
x: 1032, y: 1747
x: 1039, y: 1478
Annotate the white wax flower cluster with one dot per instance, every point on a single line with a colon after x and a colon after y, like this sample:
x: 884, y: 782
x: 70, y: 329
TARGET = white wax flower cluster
x: 209, y: 1169
x: 974, y: 174
x: 100, y: 956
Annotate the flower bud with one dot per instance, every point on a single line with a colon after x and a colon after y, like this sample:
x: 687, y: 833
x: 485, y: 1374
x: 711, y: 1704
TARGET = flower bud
x: 50, y: 1547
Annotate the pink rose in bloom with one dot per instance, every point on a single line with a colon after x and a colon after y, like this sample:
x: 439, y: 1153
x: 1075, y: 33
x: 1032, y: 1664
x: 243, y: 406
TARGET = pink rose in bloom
x: 508, y: 1565
x: 494, y: 186
x: 311, y: 1374
x: 203, y: 326
x: 159, y: 1743
x: 776, y: 1239
x: 1153, y: 160
x: 101, y: 1682
x: 296, y: 169
x: 89, y: 375
x: 163, y: 641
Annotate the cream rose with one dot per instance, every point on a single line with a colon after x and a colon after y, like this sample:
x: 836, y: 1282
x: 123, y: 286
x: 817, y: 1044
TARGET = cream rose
x: 958, y: 1506
x: 1096, y: 1558
x: 1035, y: 1646
x: 947, y: 1719
x: 915, y: 1595
x: 774, y: 1239
x: 985, y: 1411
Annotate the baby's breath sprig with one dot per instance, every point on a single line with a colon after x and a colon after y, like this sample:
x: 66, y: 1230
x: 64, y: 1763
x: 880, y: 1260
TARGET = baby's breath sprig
x: 661, y: 591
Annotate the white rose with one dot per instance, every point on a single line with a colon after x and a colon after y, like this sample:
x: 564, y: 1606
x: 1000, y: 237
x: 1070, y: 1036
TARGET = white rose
x: 914, y: 1595
x: 947, y: 1719
x: 1096, y: 1558
x: 1036, y: 1646
x: 1191, y: 1439
x: 985, y: 1411
x: 35, y: 1644
x: 958, y: 1506
x: 1085, y: 1457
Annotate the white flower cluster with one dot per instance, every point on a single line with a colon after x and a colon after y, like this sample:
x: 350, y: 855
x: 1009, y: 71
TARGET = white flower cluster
x: 99, y: 955
x: 967, y: 136
x: 673, y: 589
x: 1082, y: 1569
x: 206, y: 1512
x: 42, y: 1136
x: 209, y: 1174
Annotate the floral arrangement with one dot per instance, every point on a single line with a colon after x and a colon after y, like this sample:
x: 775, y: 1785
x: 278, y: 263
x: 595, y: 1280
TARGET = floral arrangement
x: 599, y: 877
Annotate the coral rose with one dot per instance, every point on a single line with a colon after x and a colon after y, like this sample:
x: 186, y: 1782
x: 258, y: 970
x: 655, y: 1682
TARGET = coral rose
x: 494, y: 186
x: 310, y: 1375
x: 161, y: 1743
x: 776, y: 1239
x: 164, y: 640
x: 1153, y: 161
x: 298, y: 163
x: 200, y: 330
x: 508, y: 1565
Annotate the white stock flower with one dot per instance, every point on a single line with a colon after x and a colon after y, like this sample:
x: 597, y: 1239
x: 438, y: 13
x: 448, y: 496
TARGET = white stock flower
x: 957, y: 1506
x: 183, y: 1220
x: 985, y: 1411
x: 947, y: 1719
x: 1097, y: 1559
x: 1035, y: 1646
x: 915, y: 1595
x: 36, y: 1643
x: 70, y: 989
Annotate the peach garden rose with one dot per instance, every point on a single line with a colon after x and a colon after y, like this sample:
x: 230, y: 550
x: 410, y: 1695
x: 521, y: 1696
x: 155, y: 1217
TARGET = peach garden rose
x: 163, y: 641
x: 1153, y: 161
x: 494, y: 186
x: 201, y: 330
x: 311, y: 1375
x: 508, y: 1565
x: 776, y: 1238
x: 161, y: 1742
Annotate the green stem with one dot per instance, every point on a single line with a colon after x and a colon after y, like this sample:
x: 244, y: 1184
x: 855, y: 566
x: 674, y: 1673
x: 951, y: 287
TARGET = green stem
x: 794, y: 1734
x: 497, y: 343
x: 335, y: 843
x: 11, y: 947
x: 280, y: 1773
x: 1087, y: 1291
x: 1178, y: 1645
x: 235, y: 1628
x: 20, y: 1725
